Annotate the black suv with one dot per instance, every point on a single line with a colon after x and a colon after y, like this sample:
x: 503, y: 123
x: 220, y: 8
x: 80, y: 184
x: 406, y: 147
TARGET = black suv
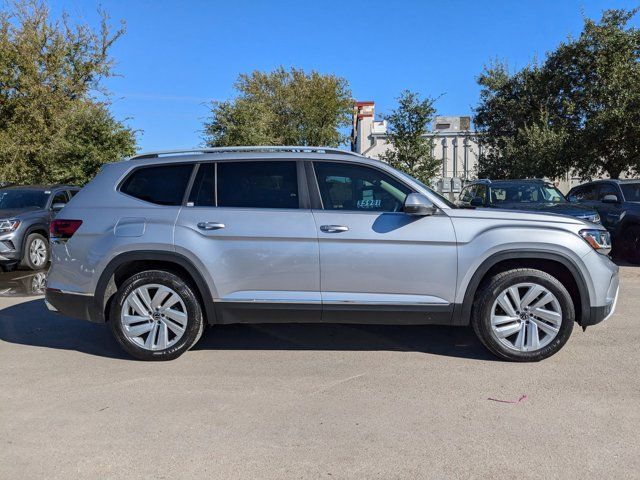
x: 618, y: 203
x: 528, y: 195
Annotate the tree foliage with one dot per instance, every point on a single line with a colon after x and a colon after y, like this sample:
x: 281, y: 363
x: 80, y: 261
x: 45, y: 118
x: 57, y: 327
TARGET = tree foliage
x: 52, y: 128
x: 282, y: 108
x: 407, y: 126
x: 578, y: 111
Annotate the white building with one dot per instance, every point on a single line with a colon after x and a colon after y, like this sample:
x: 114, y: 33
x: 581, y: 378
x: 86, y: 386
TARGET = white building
x: 455, y: 144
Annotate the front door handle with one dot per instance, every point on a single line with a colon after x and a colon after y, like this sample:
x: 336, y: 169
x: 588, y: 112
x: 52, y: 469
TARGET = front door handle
x: 210, y: 225
x: 334, y: 228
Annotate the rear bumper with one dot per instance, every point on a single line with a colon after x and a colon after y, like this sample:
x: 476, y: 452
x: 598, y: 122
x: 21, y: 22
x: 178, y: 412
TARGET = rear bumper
x: 72, y: 305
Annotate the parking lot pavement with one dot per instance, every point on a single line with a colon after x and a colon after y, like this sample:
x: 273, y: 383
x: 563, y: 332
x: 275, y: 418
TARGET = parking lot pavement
x: 311, y: 401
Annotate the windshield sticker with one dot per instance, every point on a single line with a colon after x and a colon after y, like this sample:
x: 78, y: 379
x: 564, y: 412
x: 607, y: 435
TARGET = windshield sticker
x: 369, y: 203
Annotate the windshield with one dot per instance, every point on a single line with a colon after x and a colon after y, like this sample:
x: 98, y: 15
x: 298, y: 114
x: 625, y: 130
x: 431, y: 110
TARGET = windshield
x: 23, y: 199
x: 440, y: 197
x: 631, y: 192
x: 525, y: 193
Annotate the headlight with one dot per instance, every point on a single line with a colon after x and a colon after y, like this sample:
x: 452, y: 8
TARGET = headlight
x: 600, y: 240
x: 7, y: 226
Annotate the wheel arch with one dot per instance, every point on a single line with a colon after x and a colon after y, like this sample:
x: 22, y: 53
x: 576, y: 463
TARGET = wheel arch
x: 126, y: 264
x: 40, y: 228
x: 553, y: 263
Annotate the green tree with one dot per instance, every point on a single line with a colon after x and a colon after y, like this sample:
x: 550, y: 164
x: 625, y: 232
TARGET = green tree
x: 407, y: 129
x: 578, y: 111
x: 52, y: 126
x: 282, y: 108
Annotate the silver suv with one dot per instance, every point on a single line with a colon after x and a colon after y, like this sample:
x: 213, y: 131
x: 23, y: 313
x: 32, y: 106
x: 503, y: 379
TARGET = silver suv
x: 165, y: 243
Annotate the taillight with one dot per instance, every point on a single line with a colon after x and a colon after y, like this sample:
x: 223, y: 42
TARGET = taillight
x: 63, y: 229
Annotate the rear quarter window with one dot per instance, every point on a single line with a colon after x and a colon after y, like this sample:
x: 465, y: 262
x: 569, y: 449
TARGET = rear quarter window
x: 161, y: 185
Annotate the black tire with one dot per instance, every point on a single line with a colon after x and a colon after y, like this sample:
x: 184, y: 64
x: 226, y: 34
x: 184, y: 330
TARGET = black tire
x: 195, y: 321
x: 631, y: 239
x: 27, y: 262
x: 487, y: 296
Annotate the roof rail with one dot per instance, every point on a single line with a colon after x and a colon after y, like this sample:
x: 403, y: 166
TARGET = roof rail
x: 265, y: 149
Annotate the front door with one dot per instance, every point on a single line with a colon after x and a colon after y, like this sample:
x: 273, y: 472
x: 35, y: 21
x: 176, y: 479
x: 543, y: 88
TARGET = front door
x: 376, y: 262
x: 246, y: 222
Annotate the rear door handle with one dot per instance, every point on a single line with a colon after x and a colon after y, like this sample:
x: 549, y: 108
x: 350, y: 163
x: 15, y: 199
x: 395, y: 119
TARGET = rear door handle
x: 210, y: 225
x: 334, y: 228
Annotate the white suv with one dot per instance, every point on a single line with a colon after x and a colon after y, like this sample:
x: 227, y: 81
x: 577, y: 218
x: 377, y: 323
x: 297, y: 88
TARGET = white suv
x: 162, y: 244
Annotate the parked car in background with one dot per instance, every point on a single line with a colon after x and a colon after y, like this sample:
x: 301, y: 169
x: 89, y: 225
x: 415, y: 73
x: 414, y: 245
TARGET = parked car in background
x: 302, y: 234
x: 25, y: 214
x: 525, y: 195
x: 618, y: 203
x: 4, y: 184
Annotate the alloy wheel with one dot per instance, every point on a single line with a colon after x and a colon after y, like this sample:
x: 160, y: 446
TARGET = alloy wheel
x: 526, y: 317
x: 38, y: 252
x: 154, y: 317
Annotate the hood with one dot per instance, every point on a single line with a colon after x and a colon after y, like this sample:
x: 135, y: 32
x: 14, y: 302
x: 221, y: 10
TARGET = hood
x: 6, y: 213
x: 567, y: 208
x: 517, y: 216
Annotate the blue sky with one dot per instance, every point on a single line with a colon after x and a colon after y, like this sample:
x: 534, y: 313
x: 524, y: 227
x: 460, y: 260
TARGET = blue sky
x: 178, y: 55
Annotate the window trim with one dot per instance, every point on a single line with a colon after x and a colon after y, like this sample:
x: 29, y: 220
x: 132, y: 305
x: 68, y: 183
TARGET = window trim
x: 141, y: 167
x: 313, y: 182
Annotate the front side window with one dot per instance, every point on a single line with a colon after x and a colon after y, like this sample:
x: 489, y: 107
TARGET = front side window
x: 358, y: 188
x: 60, y: 197
x: 467, y: 194
x: 162, y: 184
x: 587, y: 192
x: 258, y: 184
x: 481, y: 192
x: 607, y: 189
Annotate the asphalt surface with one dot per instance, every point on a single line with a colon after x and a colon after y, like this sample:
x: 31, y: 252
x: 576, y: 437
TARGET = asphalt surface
x: 314, y: 401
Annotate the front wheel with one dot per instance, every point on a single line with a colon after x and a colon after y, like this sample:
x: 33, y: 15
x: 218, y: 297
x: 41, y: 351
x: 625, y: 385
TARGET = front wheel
x: 36, y: 252
x: 523, y: 315
x: 156, y: 315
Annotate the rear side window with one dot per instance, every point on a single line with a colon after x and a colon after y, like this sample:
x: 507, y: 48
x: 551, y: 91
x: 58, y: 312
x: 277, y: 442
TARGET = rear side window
x: 258, y: 184
x: 203, y: 193
x: 162, y: 185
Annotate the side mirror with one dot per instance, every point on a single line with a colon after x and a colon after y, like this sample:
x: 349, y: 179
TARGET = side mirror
x: 56, y: 207
x: 572, y: 198
x: 610, y: 199
x: 418, y: 204
x: 477, y: 202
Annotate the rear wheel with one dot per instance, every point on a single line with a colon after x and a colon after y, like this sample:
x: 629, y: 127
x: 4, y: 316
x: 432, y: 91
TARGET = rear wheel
x: 523, y: 315
x: 156, y: 315
x: 36, y: 252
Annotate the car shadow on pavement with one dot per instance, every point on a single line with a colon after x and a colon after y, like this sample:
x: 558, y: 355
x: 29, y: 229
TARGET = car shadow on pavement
x: 30, y: 323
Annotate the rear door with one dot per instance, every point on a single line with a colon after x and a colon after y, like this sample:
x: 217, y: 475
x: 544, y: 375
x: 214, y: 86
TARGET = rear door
x: 250, y: 224
x: 373, y: 257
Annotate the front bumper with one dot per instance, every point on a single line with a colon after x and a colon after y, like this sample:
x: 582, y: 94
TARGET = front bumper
x: 73, y: 305
x: 604, y: 312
